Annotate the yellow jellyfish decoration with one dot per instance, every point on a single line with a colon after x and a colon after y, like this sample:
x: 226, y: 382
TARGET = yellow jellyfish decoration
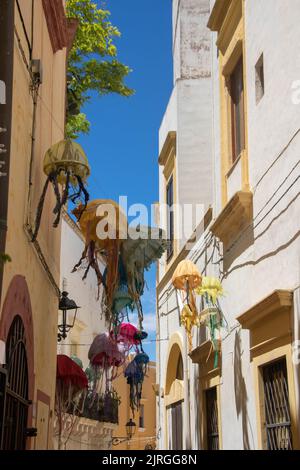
x: 212, y: 316
x: 65, y: 164
x: 103, y: 225
x: 211, y: 288
x: 186, y: 279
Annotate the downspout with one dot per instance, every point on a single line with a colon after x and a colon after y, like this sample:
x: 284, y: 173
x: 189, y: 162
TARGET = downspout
x: 7, y: 11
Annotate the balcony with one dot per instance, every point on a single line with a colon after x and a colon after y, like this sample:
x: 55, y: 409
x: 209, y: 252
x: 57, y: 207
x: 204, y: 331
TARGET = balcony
x: 103, y: 408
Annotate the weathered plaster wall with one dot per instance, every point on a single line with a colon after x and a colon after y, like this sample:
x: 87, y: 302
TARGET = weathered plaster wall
x: 89, y: 321
x: 253, y: 270
x: 49, y: 129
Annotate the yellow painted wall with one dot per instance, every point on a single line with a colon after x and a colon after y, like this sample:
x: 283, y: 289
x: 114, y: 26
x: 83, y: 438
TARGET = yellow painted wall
x: 49, y: 129
x: 142, y: 436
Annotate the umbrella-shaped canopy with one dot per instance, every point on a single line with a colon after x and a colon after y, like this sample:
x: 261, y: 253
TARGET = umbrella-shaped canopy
x: 121, y: 300
x: 70, y: 373
x: 185, y: 274
x: 107, y: 212
x: 126, y: 334
x: 210, y: 287
x: 69, y: 156
x: 143, y: 247
x: 105, y: 352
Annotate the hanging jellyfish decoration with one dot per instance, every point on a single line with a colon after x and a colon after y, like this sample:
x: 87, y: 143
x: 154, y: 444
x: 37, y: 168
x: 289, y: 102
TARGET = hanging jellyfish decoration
x: 105, y: 356
x: 126, y: 254
x: 186, y: 279
x: 100, y: 405
x: 212, y: 316
x: 144, y: 246
x: 71, y: 390
x: 66, y: 165
x: 135, y: 374
x: 130, y: 337
x: 103, y: 225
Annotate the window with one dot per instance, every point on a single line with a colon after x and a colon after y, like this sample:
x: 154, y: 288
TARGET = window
x: 179, y: 370
x: 170, y: 218
x: 278, y: 432
x: 237, y: 110
x: 142, y: 417
x: 212, y: 427
x: 259, y: 79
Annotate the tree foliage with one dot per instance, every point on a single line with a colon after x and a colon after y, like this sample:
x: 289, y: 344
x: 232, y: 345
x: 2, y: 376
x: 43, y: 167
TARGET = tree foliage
x: 4, y: 258
x: 92, y: 62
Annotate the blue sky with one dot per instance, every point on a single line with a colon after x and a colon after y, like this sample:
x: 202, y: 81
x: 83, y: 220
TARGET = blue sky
x: 123, y: 143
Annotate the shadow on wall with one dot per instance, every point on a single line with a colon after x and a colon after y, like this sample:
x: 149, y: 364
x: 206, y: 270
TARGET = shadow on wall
x: 197, y: 389
x: 241, y: 397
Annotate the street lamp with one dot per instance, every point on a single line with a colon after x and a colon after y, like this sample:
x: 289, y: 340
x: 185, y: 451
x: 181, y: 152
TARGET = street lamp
x: 130, y: 431
x: 66, y: 305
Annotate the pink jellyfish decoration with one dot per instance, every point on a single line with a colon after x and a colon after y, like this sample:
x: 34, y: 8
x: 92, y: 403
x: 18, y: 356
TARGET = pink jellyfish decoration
x: 106, y: 356
x: 129, y: 336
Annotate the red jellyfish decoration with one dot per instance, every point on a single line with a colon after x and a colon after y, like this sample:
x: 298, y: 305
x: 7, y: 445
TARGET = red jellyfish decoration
x: 71, y: 390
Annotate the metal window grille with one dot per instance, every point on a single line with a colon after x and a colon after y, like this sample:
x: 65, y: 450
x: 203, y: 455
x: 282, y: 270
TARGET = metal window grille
x: 277, y: 408
x: 212, y: 419
x: 16, y: 390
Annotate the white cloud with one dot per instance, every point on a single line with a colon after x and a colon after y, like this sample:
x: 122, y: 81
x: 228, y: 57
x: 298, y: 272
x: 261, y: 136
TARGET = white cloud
x: 149, y: 323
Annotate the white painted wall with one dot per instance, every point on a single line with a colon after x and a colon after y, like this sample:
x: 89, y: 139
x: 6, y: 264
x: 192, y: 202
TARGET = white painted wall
x: 189, y: 111
x: 90, y: 321
x: 272, y: 261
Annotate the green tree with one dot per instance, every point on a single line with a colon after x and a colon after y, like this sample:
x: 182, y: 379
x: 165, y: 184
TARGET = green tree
x: 92, y: 62
x: 4, y: 258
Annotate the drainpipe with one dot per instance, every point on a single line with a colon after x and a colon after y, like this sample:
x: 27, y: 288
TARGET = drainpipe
x: 6, y: 84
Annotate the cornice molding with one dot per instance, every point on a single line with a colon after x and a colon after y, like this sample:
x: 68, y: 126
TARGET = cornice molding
x: 168, y: 147
x: 72, y: 225
x: 201, y: 352
x: 57, y: 23
x: 218, y: 14
x: 234, y: 217
x: 278, y: 302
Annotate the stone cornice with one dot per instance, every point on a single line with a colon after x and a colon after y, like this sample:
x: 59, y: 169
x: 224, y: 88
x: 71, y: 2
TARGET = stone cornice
x: 279, y: 301
x: 169, y: 145
x: 57, y: 23
x: 237, y: 213
x: 218, y: 14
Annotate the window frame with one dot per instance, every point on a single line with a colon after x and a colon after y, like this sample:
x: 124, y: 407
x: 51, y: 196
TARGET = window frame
x: 170, y: 218
x: 266, y: 427
x: 237, y: 110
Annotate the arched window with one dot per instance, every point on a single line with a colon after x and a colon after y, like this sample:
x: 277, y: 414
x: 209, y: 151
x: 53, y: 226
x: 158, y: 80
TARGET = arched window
x: 16, y: 403
x: 179, y: 370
